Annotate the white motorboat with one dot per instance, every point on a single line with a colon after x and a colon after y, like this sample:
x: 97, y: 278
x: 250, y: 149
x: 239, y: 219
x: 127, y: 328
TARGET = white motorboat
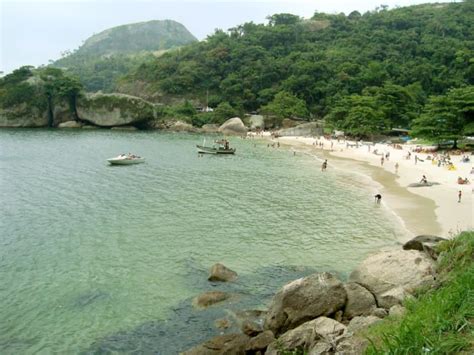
x: 126, y: 159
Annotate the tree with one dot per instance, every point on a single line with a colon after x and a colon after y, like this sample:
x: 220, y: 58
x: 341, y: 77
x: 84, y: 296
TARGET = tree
x: 223, y: 112
x: 446, y: 117
x: 286, y: 105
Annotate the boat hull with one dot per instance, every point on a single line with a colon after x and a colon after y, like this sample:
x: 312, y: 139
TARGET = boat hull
x: 115, y: 161
x: 210, y: 150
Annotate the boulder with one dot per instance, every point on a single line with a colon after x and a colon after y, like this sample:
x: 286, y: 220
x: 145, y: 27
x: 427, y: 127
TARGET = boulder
x: 396, y: 311
x: 308, y: 129
x: 251, y: 328
x: 234, y: 344
x: 390, y: 275
x: 352, y: 346
x: 321, y: 348
x: 360, y: 302
x: 210, y: 128
x: 379, y: 312
x: 307, y: 335
x: 180, y: 126
x: 108, y: 110
x: 220, y: 272
x: 424, y: 243
x: 70, y: 124
x: 256, y: 122
x: 304, y: 299
x: 209, y: 298
x: 233, y: 126
x: 260, y: 342
x: 359, y: 323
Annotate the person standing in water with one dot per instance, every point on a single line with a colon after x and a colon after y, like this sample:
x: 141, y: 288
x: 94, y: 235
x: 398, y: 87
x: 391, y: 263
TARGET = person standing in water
x: 396, y: 168
x: 324, y: 165
x: 378, y: 198
x: 459, y: 196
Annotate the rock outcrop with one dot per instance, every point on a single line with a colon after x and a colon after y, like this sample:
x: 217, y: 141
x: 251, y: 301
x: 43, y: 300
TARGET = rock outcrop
x: 233, y: 126
x: 222, y: 344
x: 24, y: 115
x: 360, y: 302
x: 309, y: 129
x: 307, y: 335
x: 220, y: 272
x: 390, y: 275
x: 210, y: 128
x: 304, y: 299
x: 424, y: 243
x: 108, y: 110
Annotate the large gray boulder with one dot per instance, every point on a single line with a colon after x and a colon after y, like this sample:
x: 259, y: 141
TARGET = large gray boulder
x: 304, y: 299
x: 233, y: 126
x: 307, y: 335
x: 391, y: 275
x: 219, y: 272
x: 234, y: 344
x: 360, y: 302
x: 108, y: 110
x: 308, y: 129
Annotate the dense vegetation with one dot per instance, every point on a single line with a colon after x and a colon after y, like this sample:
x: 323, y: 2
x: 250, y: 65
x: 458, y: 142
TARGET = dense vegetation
x: 363, y: 73
x: 116, y: 51
x: 39, y: 89
x: 438, y: 321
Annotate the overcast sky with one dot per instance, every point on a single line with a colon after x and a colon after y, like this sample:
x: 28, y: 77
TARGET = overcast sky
x: 35, y: 31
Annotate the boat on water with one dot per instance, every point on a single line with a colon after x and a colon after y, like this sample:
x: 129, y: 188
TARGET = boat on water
x: 219, y: 147
x: 126, y: 159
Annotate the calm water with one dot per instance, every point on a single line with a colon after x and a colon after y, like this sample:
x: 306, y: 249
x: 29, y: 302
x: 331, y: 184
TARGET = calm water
x: 96, y: 259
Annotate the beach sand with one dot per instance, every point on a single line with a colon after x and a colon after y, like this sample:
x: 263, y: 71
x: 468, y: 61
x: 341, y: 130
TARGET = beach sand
x: 423, y: 210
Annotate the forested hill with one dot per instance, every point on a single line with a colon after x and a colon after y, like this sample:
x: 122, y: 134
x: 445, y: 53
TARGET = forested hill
x: 115, y: 51
x: 389, y: 60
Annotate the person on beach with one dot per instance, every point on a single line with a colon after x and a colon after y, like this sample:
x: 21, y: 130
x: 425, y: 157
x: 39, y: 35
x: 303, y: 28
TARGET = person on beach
x: 396, y: 168
x: 387, y: 156
x: 416, y: 159
x: 378, y: 197
x: 382, y: 160
x: 459, y: 196
x: 324, y: 165
x: 424, y: 180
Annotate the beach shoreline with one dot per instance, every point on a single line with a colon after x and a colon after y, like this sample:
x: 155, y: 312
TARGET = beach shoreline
x: 422, y: 210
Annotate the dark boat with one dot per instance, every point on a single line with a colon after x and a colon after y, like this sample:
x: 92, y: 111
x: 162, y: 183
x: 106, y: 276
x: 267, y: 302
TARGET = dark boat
x: 219, y: 147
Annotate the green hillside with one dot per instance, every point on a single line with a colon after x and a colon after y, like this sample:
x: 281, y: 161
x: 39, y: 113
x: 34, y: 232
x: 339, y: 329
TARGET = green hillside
x: 115, y: 51
x: 374, y: 70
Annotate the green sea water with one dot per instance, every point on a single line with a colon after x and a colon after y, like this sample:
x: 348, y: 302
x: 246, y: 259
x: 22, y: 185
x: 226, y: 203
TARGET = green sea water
x: 99, y: 259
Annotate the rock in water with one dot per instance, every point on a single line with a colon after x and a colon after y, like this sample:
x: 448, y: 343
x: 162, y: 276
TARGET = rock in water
x: 222, y: 344
x: 209, y: 298
x: 305, y: 299
x: 391, y: 275
x: 220, y: 272
x: 233, y: 126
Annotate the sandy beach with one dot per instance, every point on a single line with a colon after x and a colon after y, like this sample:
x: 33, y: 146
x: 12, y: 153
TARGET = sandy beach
x: 423, y: 210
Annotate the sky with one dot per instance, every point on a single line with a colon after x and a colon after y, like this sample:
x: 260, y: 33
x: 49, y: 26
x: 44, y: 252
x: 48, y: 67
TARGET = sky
x: 32, y: 32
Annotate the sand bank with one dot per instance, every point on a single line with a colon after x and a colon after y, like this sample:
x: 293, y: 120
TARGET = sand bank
x: 424, y: 210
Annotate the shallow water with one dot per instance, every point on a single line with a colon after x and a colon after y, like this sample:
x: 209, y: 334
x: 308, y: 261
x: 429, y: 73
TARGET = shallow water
x: 96, y: 258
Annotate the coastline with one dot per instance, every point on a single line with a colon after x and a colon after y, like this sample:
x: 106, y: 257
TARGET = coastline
x: 422, y: 210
